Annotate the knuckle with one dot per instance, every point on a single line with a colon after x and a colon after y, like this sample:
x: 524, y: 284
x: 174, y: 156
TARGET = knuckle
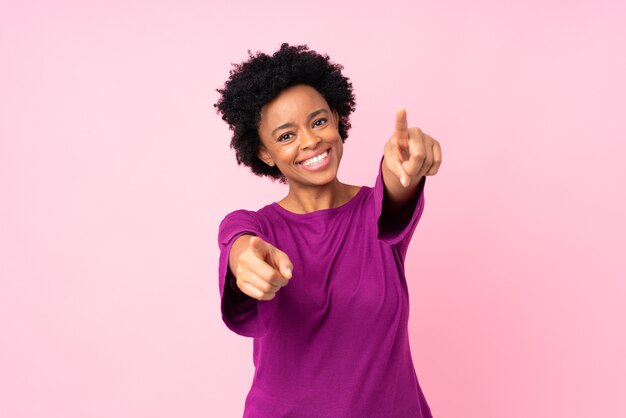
x: 239, y: 271
x: 267, y: 296
x: 267, y: 287
x: 419, y: 155
x: 247, y: 255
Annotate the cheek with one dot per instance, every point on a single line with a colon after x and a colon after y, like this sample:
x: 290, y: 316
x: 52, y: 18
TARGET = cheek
x: 339, y: 150
x: 288, y: 153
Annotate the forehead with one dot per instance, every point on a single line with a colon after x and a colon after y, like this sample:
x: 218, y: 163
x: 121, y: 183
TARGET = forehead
x: 293, y: 103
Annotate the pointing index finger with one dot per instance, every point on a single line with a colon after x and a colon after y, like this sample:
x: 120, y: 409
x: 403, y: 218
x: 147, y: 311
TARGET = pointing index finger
x: 402, y: 128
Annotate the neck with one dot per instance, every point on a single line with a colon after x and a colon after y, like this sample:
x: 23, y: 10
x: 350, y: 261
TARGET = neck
x: 311, y: 199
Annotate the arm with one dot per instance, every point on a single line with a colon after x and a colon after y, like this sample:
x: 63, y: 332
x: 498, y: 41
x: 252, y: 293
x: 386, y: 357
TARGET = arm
x: 410, y: 155
x: 397, y: 201
x: 245, y: 268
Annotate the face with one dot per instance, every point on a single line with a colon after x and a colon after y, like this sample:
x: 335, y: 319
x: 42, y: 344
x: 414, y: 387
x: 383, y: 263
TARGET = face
x: 300, y: 135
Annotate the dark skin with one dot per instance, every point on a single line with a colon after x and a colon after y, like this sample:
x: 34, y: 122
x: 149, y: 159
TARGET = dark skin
x: 299, y: 134
x: 295, y: 126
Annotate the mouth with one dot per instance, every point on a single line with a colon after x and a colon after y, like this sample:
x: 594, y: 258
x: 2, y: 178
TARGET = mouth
x: 317, y: 161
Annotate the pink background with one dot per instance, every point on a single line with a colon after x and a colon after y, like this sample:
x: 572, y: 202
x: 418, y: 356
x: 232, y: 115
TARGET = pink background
x: 115, y: 171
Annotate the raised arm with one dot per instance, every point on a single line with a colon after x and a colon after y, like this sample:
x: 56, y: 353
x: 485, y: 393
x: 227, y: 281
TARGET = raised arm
x: 409, y: 155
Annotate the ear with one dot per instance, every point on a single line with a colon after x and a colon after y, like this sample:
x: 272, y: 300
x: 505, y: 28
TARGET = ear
x: 336, y: 114
x: 265, y: 156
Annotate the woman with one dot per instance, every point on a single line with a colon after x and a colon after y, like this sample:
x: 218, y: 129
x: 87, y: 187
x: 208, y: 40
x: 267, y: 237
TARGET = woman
x: 317, y: 279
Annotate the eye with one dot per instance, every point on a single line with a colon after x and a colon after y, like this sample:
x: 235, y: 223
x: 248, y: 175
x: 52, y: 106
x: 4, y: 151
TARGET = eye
x: 284, y: 137
x: 320, y: 122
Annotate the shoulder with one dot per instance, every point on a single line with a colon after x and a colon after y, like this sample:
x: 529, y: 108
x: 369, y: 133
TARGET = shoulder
x: 256, y: 220
x: 239, y: 215
x: 239, y: 220
x: 352, y: 193
x: 353, y: 190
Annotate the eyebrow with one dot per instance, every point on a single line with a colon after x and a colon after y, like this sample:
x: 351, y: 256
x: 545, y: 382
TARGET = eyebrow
x: 288, y: 124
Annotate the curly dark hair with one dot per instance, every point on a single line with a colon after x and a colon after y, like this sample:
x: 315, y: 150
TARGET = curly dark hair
x: 255, y: 82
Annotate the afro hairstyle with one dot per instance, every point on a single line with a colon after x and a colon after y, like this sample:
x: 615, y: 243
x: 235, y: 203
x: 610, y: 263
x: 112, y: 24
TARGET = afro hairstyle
x: 257, y: 81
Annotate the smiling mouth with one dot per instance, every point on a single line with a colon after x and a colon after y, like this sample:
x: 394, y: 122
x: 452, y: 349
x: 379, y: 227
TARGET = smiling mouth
x: 316, y: 160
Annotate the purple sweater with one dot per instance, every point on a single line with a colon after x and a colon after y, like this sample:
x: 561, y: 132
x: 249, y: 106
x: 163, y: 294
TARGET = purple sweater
x: 334, y: 341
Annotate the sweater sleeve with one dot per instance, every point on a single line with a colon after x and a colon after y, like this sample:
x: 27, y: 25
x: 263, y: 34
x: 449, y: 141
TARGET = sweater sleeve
x: 241, y: 313
x: 393, y: 231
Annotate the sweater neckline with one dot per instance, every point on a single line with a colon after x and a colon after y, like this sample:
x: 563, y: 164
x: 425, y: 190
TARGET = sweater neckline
x: 320, y: 212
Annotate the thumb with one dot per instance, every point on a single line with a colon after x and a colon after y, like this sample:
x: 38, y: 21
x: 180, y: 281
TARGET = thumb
x: 401, y: 128
x: 283, y: 263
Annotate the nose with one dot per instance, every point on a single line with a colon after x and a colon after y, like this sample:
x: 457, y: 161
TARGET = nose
x: 309, y: 140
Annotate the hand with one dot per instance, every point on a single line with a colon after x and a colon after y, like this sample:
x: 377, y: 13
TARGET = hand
x: 262, y: 269
x: 410, y: 153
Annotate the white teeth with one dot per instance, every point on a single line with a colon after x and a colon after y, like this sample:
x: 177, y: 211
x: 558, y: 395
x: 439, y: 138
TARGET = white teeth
x: 315, y: 160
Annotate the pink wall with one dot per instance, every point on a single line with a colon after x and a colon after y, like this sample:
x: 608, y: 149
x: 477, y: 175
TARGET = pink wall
x: 115, y: 172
